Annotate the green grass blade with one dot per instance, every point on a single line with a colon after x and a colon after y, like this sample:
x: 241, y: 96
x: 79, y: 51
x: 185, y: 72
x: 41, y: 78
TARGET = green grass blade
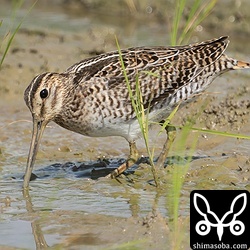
x: 188, y: 23
x: 142, y: 113
x: 125, y: 73
x: 214, y: 132
x: 177, y: 179
x: 9, y: 43
x: 199, y: 16
x: 17, y: 5
x: 180, y: 5
x: 194, y: 8
x: 198, y: 12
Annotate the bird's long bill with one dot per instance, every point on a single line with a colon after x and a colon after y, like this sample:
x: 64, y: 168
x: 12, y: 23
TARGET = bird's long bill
x: 38, y: 128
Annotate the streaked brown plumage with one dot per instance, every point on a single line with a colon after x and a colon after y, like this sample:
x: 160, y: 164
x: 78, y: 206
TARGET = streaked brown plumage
x: 91, y: 97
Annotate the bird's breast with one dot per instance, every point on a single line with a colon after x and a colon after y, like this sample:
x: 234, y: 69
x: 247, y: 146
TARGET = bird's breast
x: 99, y: 122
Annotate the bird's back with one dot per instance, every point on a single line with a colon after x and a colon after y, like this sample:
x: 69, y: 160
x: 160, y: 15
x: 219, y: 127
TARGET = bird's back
x: 162, y: 72
x: 142, y: 58
x: 165, y: 76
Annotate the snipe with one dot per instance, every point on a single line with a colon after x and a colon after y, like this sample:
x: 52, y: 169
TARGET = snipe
x: 91, y: 97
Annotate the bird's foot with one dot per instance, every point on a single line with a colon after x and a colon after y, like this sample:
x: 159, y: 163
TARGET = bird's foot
x: 127, y: 164
x: 171, y: 134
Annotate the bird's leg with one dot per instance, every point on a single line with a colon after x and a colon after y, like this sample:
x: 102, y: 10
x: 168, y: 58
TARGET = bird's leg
x: 171, y: 134
x: 133, y: 157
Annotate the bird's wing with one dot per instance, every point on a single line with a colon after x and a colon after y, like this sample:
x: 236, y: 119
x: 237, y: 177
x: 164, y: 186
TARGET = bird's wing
x: 160, y: 70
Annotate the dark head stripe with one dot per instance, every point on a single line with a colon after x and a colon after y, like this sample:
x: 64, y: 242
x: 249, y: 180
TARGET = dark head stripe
x: 32, y: 88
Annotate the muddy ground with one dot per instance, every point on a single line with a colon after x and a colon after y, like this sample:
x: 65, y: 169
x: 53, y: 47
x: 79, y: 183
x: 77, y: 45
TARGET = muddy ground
x: 66, y: 208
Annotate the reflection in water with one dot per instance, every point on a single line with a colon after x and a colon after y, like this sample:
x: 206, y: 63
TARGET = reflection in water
x: 36, y: 229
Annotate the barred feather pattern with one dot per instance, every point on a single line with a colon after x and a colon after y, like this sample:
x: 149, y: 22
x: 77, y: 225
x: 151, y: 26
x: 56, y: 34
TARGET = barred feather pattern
x: 92, y: 98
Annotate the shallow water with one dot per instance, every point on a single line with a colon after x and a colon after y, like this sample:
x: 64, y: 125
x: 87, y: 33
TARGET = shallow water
x: 66, y: 207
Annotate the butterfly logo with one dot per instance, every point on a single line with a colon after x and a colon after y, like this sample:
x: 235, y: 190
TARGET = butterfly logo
x: 210, y: 219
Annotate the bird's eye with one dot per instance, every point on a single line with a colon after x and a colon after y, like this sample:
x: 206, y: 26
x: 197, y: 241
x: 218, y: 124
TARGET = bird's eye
x: 44, y: 93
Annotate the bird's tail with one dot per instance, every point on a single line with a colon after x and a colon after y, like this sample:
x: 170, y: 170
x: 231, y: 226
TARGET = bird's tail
x: 241, y: 65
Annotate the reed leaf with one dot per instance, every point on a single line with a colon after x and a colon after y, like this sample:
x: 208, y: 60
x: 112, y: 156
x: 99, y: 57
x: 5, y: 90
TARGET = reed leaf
x: 199, y: 11
x: 9, y: 36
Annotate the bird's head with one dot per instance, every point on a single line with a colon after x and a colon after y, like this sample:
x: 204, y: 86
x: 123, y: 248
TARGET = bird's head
x: 45, y: 98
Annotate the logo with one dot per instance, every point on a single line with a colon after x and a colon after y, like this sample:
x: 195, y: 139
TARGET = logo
x: 219, y: 218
